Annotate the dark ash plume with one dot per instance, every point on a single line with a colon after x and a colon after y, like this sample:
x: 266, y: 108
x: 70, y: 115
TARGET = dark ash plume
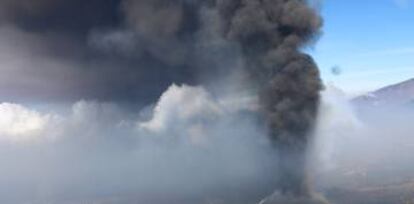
x: 271, y: 34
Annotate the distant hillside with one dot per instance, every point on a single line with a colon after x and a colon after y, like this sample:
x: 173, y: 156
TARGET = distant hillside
x: 394, y: 95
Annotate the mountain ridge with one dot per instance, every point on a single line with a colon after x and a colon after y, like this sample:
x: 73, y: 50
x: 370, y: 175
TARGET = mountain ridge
x: 393, y: 95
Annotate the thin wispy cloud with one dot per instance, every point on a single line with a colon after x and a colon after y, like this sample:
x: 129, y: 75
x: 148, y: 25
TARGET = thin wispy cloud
x: 365, y: 73
x: 402, y: 3
x: 389, y: 52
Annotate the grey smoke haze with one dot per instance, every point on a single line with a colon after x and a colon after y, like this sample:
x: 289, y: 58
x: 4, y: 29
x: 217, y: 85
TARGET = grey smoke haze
x: 107, y: 51
x: 367, y: 153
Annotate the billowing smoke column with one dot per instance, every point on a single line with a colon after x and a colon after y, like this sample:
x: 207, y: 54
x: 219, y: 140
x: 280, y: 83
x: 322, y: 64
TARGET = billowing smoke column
x: 271, y: 33
x: 133, y: 49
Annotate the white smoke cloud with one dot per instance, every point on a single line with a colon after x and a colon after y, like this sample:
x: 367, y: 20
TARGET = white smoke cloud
x: 337, y: 121
x: 20, y: 124
x: 99, y: 151
x: 182, y: 104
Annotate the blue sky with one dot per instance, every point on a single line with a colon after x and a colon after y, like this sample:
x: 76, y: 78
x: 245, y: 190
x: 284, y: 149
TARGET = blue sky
x: 372, y: 41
